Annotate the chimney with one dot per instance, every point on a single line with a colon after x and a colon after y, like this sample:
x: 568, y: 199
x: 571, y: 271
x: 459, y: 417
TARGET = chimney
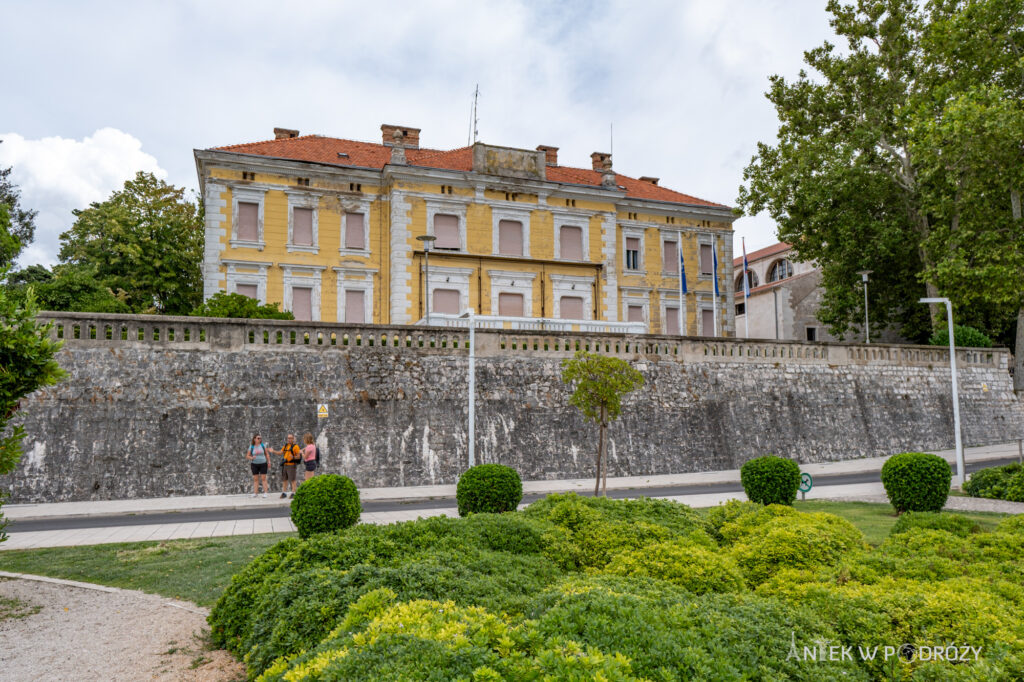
x: 600, y: 160
x: 285, y: 133
x: 397, y: 147
x: 410, y: 136
x: 550, y: 154
x: 648, y: 178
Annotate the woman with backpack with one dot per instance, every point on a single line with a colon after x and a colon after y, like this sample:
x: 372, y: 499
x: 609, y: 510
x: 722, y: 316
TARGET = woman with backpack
x: 309, y: 455
x: 258, y: 463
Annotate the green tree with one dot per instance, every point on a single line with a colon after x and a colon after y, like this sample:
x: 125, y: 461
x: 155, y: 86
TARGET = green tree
x: 599, y: 385
x: 22, y: 221
x: 237, y: 305
x: 145, y: 240
x: 67, y: 287
x: 26, y: 363
x: 902, y: 155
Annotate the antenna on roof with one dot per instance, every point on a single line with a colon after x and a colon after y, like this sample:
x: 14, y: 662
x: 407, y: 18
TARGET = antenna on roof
x: 472, y: 117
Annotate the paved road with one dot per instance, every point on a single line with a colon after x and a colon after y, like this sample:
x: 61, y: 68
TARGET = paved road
x: 282, y: 511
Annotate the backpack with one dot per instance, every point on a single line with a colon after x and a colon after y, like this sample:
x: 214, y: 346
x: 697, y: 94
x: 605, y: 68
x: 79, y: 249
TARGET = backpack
x: 291, y: 454
x: 317, y: 455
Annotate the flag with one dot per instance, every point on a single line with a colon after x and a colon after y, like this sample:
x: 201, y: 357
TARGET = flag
x: 682, y: 272
x: 746, y: 274
x: 714, y: 256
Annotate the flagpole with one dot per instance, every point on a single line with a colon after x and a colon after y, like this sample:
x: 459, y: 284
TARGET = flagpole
x: 714, y: 255
x: 682, y: 288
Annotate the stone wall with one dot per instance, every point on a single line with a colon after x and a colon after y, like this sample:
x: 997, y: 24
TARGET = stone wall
x: 166, y: 406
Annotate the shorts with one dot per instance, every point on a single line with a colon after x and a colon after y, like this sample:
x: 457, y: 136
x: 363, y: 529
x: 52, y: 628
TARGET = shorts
x: 258, y: 469
x: 288, y: 472
x: 310, y: 465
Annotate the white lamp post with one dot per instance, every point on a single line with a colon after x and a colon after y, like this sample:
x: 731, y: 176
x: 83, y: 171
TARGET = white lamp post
x: 864, y: 278
x: 472, y: 387
x: 428, y: 240
x: 960, y: 468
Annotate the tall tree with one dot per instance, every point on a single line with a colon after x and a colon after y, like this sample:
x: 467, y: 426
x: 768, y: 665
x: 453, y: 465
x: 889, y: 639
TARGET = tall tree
x: 22, y: 221
x: 145, y: 240
x: 878, y: 163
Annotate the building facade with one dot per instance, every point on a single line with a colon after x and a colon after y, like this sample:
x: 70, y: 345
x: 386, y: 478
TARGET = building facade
x: 329, y: 229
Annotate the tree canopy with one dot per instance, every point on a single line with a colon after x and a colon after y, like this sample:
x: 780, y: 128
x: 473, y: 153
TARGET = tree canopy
x: 237, y: 305
x: 902, y: 154
x: 21, y: 227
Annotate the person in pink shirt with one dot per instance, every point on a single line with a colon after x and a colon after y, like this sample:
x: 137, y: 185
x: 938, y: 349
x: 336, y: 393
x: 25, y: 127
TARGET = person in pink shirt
x: 309, y: 456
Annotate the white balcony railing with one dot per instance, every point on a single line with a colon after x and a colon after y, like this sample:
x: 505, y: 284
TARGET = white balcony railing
x: 540, y: 324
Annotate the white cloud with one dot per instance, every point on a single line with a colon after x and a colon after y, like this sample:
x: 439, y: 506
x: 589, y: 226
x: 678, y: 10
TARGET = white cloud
x: 57, y: 175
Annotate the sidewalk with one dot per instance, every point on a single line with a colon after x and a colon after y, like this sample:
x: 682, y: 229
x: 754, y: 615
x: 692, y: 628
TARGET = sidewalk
x: 168, y: 531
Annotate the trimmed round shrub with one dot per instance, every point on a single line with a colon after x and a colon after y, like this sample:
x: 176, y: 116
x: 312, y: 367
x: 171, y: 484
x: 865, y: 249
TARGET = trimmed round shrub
x: 963, y: 336
x: 991, y: 482
x: 489, y: 489
x: 697, y: 569
x: 960, y: 526
x: 916, y: 481
x: 324, y: 504
x: 771, y: 479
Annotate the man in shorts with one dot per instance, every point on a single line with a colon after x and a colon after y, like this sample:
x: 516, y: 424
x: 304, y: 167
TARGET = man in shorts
x: 291, y: 456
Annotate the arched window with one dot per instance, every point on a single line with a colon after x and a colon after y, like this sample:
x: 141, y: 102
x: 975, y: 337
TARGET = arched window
x: 781, y: 269
x: 751, y: 275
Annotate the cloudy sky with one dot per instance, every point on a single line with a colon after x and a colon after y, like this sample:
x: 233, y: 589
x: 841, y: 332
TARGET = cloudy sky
x: 97, y: 91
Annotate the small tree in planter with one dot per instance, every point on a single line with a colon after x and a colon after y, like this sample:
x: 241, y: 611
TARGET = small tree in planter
x: 600, y: 384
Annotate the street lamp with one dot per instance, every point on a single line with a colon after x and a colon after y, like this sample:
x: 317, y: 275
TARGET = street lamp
x: 864, y: 278
x: 960, y: 469
x: 428, y: 240
x: 472, y: 387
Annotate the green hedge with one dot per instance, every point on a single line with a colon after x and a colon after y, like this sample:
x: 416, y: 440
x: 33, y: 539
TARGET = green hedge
x: 916, y: 481
x: 324, y: 504
x: 951, y: 523
x: 771, y: 480
x: 488, y: 489
x: 997, y: 483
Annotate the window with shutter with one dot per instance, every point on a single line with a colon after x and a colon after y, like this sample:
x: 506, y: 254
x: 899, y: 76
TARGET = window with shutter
x: 250, y: 290
x: 248, y: 218
x: 354, y: 312
x: 510, y: 238
x: 707, y: 266
x: 635, y: 313
x: 672, y: 321
x: 354, y: 236
x: 445, y: 301
x: 671, y: 257
x: 446, y: 229
x: 510, y: 305
x: 570, y: 308
x: 302, y: 226
x: 570, y: 242
x: 302, y: 303
x: 632, y: 253
x: 707, y: 321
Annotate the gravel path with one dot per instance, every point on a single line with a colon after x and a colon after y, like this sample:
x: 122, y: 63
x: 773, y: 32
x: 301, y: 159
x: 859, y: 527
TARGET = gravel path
x: 954, y: 503
x: 93, y: 634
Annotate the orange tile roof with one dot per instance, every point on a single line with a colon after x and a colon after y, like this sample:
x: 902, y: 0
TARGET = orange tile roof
x: 762, y: 253
x: 326, y: 150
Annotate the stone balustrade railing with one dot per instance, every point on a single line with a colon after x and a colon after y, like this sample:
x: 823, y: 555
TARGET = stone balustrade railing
x: 201, y: 333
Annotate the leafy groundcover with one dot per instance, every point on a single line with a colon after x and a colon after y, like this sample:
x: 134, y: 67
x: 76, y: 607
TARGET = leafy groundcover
x: 576, y: 588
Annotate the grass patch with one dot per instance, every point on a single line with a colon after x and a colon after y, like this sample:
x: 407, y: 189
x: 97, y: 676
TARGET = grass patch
x: 193, y: 570
x: 11, y: 609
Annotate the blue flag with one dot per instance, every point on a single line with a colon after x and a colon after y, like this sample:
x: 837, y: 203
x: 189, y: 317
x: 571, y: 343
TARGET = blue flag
x: 714, y: 255
x: 746, y: 272
x: 682, y: 273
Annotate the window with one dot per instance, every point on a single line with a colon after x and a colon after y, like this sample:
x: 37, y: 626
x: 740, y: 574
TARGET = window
x: 302, y: 226
x: 446, y: 301
x: 302, y: 182
x: 570, y: 242
x: 781, y: 269
x: 670, y: 253
x: 812, y: 333
x: 354, y: 309
x: 250, y: 290
x: 302, y: 303
x: 354, y: 231
x: 635, y: 313
x: 741, y: 308
x: 355, y: 186
x: 751, y: 276
x: 672, y: 321
x: 246, y: 175
x: 248, y: 221
x: 707, y: 260
x: 632, y: 253
x: 510, y: 305
x: 446, y: 229
x: 570, y: 308
x: 510, y: 238
x: 707, y: 322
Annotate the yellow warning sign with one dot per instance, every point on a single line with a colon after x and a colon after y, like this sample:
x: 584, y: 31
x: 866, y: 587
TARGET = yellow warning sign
x: 321, y: 411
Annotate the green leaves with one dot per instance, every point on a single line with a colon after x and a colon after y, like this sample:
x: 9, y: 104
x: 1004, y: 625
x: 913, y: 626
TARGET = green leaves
x: 237, y: 305
x: 600, y: 384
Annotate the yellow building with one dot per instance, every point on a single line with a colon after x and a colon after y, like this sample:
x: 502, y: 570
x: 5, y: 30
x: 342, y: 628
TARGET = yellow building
x: 330, y: 229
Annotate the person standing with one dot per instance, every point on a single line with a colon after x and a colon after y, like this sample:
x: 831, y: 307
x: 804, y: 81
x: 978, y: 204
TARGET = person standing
x: 258, y: 464
x: 291, y: 457
x: 309, y: 456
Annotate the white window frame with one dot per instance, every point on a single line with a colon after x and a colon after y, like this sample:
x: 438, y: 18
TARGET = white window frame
x: 354, y: 279
x: 449, y: 278
x: 455, y: 208
x: 521, y: 215
x: 303, y: 200
x: 704, y: 238
x: 246, y: 272
x: 671, y: 300
x: 636, y: 296
x: 640, y: 265
x: 248, y: 195
x: 353, y: 206
x: 573, y: 285
x: 562, y: 218
x: 302, y: 276
x: 671, y: 238
x: 507, y: 282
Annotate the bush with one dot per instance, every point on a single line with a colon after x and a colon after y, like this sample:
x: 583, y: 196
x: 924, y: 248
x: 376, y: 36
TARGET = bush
x: 1015, y: 488
x: 916, y: 481
x: 694, y: 568
x: 239, y: 306
x: 771, y: 480
x: 964, y: 337
x: 960, y: 526
x: 991, y: 482
x: 325, y: 503
x: 488, y: 488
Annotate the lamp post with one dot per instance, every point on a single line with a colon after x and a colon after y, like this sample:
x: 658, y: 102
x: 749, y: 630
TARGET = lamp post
x: 864, y: 278
x: 472, y: 387
x: 428, y: 240
x: 960, y: 469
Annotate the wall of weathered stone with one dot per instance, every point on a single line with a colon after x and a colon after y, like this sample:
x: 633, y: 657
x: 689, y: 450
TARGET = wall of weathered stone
x: 172, y: 414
